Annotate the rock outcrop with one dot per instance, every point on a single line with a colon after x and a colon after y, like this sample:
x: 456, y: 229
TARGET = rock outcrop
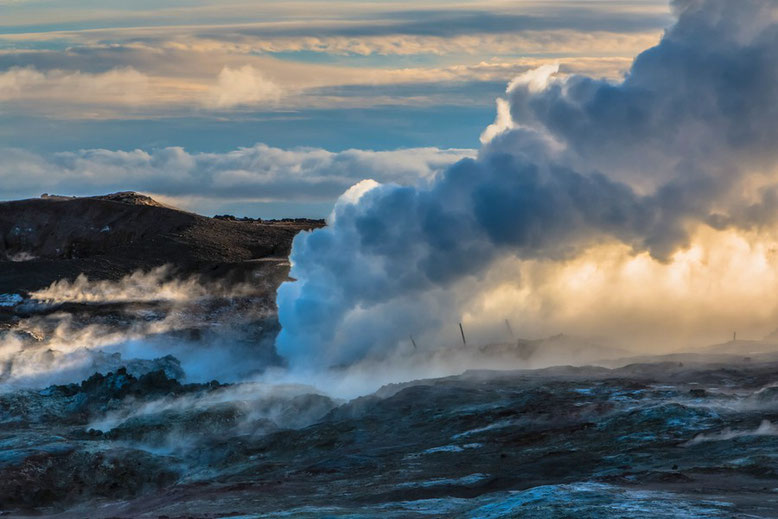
x: 107, y: 237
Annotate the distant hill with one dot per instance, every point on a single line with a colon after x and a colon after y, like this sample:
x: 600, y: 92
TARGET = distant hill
x: 107, y: 237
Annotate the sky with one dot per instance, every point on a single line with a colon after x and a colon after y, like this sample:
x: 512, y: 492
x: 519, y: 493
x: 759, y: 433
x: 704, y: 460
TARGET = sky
x: 273, y: 109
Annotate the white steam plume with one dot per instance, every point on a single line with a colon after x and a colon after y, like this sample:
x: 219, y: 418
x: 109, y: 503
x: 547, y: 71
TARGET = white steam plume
x: 686, y: 142
x: 204, y: 324
x: 157, y: 284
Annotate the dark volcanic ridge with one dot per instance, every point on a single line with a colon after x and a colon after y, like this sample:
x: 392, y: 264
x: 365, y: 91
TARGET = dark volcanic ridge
x: 108, y: 237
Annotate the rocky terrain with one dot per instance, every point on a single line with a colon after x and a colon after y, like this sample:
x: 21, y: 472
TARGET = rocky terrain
x: 108, y: 237
x: 80, y: 277
x: 139, y: 378
x: 647, y: 440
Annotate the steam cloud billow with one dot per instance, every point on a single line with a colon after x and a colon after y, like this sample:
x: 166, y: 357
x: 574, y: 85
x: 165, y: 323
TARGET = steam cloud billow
x: 686, y: 141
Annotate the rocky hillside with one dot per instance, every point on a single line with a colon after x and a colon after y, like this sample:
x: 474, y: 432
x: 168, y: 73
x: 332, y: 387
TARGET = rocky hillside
x: 51, y: 238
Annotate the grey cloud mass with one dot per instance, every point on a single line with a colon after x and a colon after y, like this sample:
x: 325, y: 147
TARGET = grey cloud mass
x: 582, y: 161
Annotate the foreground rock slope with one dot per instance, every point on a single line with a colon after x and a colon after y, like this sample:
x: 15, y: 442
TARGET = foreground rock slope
x: 649, y: 440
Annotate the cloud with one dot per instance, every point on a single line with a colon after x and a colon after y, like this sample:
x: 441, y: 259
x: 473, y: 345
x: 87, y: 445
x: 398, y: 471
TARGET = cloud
x: 296, y: 19
x: 453, y: 22
x: 502, y: 123
x: 259, y: 173
x: 117, y: 89
x: 119, y: 86
x: 243, y: 86
x: 560, y: 41
x: 230, y: 62
x: 535, y: 80
x: 198, y: 89
x: 686, y: 140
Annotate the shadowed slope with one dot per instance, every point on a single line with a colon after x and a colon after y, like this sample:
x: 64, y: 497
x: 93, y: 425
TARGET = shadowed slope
x: 51, y: 238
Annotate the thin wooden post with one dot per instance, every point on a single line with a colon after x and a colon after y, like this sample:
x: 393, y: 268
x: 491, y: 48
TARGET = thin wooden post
x: 510, y: 330
x: 462, y: 331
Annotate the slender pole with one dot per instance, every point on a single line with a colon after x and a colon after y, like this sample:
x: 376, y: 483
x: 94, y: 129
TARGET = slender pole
x: 510, y: 330
x: 462, y: 331
x: 414, y: 343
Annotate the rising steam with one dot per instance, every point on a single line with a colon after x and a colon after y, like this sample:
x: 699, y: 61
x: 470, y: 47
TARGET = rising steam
x: 157, y: 284
x: 654, y: 172
x: 215, y: 330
